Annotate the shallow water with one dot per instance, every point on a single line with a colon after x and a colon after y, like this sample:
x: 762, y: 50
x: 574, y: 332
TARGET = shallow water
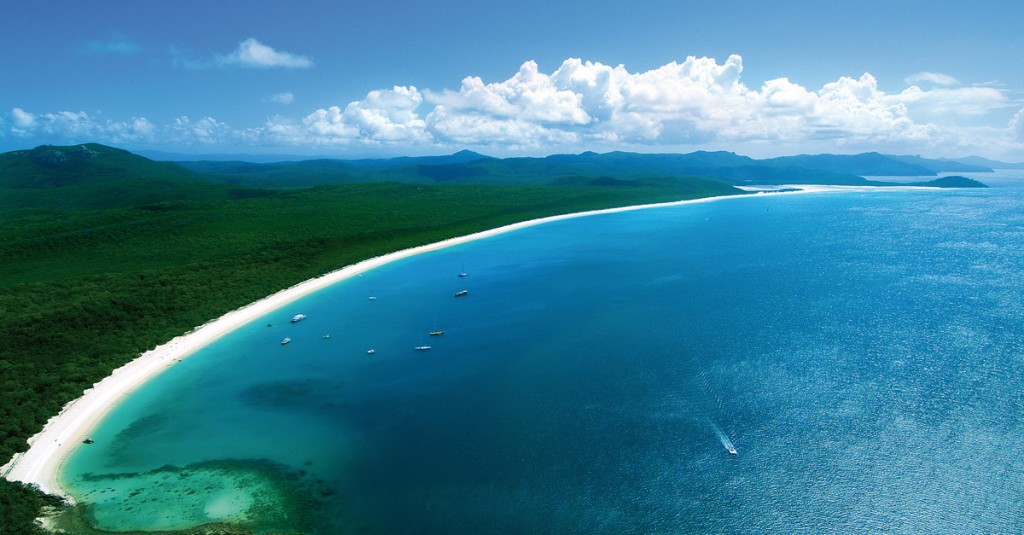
x: 861, y: 351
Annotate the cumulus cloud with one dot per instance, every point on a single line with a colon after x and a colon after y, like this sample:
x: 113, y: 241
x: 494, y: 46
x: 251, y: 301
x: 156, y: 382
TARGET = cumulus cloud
x: 78, y: 127
x: 695, y: 101
x: 254, y: 54
x: 203, y: 131
x: 116, y: 44
x: 936, y: 78
x: 383, y: 117
x: 586, y: 105
x: 24, y: 122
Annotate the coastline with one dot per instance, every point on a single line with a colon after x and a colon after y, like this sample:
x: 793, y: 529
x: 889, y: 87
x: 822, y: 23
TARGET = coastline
x: 41, y: 463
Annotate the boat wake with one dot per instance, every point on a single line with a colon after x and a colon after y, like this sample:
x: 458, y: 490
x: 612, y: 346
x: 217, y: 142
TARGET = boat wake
x: 723, y: 438
x: 715, y: 405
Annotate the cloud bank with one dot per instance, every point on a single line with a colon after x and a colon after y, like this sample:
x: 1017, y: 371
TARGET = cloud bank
x: 695, y: 104
x: 79, y: 126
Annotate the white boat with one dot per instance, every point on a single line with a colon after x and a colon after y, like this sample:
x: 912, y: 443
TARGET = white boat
x: 463, y: 274
x: 372, y: 298
x: 731, y: 450
x: 436, y: 333
x: 461, y: 293
x: 371, y: 351
x: 421, y: 348
x: 327, y: 336
x: 286, y: 341
x: 298, y: 317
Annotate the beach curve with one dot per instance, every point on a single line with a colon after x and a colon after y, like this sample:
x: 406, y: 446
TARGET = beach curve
x: 48, y: 449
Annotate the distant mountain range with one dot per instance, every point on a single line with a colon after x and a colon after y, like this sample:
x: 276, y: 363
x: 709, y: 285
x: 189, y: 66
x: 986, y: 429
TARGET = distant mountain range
x: 579, y: 169
x: 985, y: 162
x: 109, y: 176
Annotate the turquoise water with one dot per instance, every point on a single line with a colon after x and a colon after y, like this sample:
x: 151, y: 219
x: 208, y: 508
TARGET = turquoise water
x: 861, y: 351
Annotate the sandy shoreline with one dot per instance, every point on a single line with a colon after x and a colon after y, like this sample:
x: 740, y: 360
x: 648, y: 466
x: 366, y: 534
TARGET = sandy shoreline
x: 48, y: 449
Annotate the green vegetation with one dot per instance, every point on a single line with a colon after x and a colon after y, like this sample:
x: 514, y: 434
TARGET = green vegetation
x: 126, y: 260
x: 20, y: 505
x: 952, y: 181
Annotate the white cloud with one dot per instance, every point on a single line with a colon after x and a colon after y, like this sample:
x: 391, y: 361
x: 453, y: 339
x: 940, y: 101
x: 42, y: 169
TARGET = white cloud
x: 78, y: 127
x: 1017, y: 126
x: 24, y: 122
x: 584, y: 105
x: 254, y: 54
x: 940, y: 102
x: 281, y: 98
x: 696, y: 101
x: 936, y: 78
x: 202, y: 131
x: 529, y: 95
x: 383, y: 117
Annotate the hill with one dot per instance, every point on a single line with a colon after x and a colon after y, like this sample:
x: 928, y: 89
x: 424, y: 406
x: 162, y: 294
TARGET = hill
x: 985, y: 162
x: 867, y: 164
x: 471, y: 168
x: 93, y: 176
x: 952, y: 181
x: 49, y: 166
x: 942, y: 165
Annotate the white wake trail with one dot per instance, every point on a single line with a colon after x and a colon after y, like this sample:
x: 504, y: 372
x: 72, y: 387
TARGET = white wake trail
x: 723, y: 438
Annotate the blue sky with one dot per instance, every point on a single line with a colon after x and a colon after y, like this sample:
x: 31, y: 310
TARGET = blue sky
x: 389, y: 78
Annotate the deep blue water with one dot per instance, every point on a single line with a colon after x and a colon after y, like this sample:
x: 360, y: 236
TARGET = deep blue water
x: 864, y: 352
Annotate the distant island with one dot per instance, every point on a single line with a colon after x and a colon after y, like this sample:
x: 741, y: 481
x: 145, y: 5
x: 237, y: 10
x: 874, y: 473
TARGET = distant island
x: 108, y: 254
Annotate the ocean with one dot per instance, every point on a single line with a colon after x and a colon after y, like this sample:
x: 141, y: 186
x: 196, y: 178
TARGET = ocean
x: 862, y: 352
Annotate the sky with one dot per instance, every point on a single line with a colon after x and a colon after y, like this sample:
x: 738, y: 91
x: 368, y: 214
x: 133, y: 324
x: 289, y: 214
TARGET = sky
x: 383, y: 78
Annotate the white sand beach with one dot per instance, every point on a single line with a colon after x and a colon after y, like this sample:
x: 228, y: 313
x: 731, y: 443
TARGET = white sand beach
x: 64, y: 432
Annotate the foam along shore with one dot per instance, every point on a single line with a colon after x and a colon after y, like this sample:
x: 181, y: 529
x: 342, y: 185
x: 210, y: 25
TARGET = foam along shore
x: 64, y: 432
